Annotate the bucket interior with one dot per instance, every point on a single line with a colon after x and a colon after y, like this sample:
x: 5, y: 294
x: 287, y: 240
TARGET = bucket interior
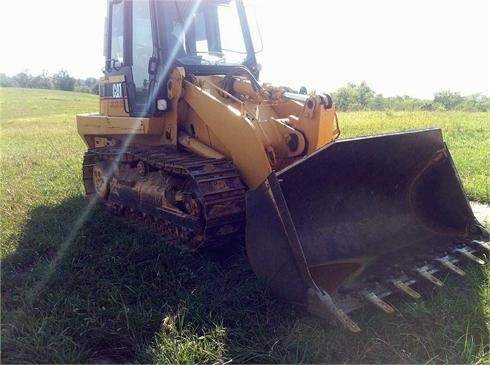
x: 358, y: 206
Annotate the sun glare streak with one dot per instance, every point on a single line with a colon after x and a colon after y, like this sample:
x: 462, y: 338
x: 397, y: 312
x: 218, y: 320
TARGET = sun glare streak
x: 126, y: 143
x: 62, y: 250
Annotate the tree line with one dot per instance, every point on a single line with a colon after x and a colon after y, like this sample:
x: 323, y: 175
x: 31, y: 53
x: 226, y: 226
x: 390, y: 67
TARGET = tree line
x: 361, y: 97
x: 61, y: 80
x: 351, y: 97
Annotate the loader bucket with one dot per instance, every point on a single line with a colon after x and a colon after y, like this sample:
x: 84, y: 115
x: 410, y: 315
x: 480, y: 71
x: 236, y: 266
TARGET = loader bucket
x: 359, y: 218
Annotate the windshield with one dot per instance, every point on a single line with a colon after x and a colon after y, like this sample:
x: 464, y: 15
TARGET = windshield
x: 204, y: 32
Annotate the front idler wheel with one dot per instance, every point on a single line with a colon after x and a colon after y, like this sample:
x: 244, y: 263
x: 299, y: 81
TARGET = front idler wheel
x: 101, y: 178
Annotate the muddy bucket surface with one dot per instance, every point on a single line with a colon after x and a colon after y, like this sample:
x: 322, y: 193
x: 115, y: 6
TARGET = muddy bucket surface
x: 356, y: 209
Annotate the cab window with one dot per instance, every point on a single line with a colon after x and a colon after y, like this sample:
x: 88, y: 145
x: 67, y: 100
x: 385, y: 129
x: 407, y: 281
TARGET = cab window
x: 117, y: 31
x: 142, y: 45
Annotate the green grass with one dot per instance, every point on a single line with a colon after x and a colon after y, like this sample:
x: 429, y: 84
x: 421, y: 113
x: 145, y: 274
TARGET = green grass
x: 96, y: 290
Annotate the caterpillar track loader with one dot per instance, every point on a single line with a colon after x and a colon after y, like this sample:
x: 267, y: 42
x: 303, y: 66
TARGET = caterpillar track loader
x: 188, y: 143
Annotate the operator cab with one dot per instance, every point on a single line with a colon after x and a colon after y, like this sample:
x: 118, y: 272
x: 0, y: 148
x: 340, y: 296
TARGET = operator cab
x: 146, y: 40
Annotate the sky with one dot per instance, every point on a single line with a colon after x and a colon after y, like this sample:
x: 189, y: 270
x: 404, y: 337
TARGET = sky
x: 399, y: 47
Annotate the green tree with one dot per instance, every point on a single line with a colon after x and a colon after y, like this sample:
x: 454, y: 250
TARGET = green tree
x: 364, y: 96
x: 448, y: 100
x: 63, y: 81
x: 42, y: 81
x: 378, y: 102
x: 22, y: 79
x: 345, y: 98
x: 476, y: 103
x: 95, y: 89
x: 356, y: 97
x: 5, y: 81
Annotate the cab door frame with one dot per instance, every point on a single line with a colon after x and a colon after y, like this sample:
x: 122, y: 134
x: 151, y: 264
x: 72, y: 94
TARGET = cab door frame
x: 119, y: 90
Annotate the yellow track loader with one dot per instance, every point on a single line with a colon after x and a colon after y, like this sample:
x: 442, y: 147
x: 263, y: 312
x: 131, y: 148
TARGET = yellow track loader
x: 189, y: 144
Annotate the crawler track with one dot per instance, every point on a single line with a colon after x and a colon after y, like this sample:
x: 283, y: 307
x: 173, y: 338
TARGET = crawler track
x: 196, y: 201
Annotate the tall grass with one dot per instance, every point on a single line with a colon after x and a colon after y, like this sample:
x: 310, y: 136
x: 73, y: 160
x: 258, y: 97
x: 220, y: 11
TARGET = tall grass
x: 97, y: 290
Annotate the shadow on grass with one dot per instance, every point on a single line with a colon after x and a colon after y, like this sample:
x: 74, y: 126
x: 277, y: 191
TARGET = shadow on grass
x: 112, y: 293
x: 104, y: 295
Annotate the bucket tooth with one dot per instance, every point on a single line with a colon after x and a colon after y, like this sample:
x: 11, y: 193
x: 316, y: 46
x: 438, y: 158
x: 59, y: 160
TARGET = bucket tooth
x: 481, y: 244
x: 378, y: 302
x: 406, y: 289
x: 345, y: 320
x: 424, y: 273
x: 446, y: 263
x: 322, y: 305
x: 469, y: 255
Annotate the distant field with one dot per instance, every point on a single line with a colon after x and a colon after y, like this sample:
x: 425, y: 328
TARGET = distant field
x: 80, y: 286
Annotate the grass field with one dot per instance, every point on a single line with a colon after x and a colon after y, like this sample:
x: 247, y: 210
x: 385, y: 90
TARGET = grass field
x: 79, y: 286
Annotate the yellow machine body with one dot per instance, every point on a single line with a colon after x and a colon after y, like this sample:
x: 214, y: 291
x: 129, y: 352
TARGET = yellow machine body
x: 266, y: 133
